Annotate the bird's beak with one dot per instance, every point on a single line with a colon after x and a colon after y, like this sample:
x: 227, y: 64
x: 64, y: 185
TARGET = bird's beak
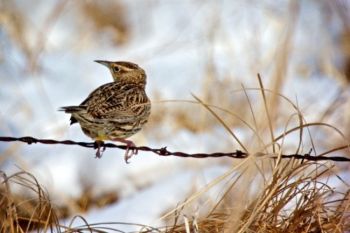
x: 105, y: 63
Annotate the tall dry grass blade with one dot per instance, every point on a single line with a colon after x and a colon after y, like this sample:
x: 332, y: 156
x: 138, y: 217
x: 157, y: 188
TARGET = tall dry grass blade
x: 205, y: 189
x: 279, y: 155
x: 226, y: 192
x: 335, y: 149
x: 222, y: 122
x: 254, y: 119
x: 211, y: 106
x: 262, y: 89
x: 301, y: 122
x: 301, y: 131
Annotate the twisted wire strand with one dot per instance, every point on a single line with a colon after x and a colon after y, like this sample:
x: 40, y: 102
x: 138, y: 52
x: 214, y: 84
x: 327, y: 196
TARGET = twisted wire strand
x: 165, y: 152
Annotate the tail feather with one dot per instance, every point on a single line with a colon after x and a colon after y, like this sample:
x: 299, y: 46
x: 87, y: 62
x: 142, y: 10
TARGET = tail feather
x: 73, y: 109
x: 73, y: 120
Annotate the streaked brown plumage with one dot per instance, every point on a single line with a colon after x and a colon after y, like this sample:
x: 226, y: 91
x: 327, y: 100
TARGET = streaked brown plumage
x: 115, y: 110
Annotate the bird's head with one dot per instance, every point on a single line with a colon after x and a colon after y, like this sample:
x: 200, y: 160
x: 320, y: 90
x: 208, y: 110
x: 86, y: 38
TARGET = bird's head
x: 125, y: 71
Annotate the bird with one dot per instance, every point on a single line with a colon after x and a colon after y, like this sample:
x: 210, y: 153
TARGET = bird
x: 116, y: 110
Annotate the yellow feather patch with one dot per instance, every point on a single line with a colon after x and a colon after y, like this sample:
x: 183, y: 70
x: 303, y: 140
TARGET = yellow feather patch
x: 101, y: 137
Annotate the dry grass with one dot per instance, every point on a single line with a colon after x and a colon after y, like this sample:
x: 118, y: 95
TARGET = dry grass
x: 26, y: 212
x: 290, y: 203
x: 313, y: 207
x: 25, y: 205
x: 260, y: 194
x: 274, y: 195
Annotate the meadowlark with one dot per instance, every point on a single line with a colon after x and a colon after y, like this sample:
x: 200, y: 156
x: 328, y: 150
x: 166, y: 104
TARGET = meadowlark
x: 115, y: 110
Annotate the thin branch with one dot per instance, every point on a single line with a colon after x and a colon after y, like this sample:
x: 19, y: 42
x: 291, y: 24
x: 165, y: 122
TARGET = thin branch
x: 164, y: 152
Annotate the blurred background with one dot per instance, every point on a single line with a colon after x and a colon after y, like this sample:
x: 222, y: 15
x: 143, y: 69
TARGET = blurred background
x: 211, y: 49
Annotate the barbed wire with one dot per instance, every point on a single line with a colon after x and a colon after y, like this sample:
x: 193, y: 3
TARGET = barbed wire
x: 165, y: 152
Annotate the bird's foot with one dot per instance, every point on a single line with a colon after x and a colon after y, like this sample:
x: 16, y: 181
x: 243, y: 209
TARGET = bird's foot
x: 100, y: 146
x: 130, y: 148
x: 130, y: 152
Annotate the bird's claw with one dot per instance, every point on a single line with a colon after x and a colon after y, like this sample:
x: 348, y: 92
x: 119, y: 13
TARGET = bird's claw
x: 100, y: 146
x: 130, y: 152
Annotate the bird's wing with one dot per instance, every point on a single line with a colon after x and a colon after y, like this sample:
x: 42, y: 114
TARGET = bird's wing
x: 94, y: 95
x: 115, y: 102
x: 133, y: 107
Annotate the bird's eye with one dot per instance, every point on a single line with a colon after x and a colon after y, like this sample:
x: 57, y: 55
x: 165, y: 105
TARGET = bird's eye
x: 116, y: 69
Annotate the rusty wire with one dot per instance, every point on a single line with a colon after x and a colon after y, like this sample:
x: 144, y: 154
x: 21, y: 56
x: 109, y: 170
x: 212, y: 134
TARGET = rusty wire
x: 164, y: 152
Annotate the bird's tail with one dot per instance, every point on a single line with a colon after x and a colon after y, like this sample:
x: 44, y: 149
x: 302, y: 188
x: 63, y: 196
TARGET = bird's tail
x: 72, y: 109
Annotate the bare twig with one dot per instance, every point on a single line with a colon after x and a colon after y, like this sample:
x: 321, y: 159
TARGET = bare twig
x: 164, y: 152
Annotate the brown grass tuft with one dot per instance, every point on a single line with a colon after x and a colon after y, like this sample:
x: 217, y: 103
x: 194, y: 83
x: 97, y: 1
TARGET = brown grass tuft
x: 32, y: 210
x: 273, y: 195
